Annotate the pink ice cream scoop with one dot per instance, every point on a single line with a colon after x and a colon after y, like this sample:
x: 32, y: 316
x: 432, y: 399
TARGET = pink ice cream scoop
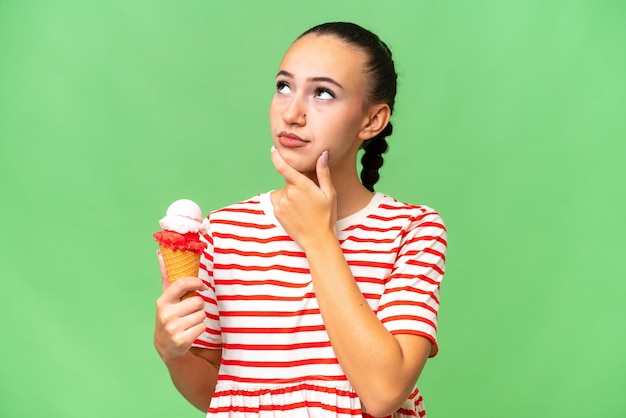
x: 184, y: 216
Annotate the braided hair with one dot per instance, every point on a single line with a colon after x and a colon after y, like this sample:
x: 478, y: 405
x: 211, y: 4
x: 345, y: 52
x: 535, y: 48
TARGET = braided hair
x: 382, y: 75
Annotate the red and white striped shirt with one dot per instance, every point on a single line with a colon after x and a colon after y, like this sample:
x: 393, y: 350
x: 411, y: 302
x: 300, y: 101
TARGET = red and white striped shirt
x: 261, y: 310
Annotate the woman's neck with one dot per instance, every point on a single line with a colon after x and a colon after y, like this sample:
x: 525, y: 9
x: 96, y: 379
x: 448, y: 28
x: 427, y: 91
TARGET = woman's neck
x: 351, y: 198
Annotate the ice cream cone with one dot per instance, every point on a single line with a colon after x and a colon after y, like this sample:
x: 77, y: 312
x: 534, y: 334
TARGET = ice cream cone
x: 180, y: 241
x: 180, y: 263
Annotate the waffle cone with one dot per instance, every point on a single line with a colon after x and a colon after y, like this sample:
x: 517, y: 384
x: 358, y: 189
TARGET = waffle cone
x: 180, y: 264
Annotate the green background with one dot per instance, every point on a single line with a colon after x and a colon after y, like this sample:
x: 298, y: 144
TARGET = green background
x: 510, y: 121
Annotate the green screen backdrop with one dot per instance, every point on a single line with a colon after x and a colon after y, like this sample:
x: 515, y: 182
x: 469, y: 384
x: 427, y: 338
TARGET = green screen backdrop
x: 510, y: 122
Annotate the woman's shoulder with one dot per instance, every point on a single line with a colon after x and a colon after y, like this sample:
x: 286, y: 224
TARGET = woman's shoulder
x: 254, y: 207
x: 391, y: 206
x: 414, y: 222
x: 389, y: 215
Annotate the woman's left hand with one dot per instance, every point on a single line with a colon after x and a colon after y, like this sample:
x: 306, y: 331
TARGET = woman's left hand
x: 306, y: 210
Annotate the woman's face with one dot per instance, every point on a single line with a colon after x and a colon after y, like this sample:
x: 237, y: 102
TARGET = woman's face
x: 320, y: 103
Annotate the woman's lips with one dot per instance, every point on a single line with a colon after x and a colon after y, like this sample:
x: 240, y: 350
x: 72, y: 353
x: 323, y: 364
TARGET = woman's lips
x: 289, y: 140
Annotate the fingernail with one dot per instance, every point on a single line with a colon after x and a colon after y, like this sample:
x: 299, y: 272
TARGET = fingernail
x: 273, y: 148
x: 325, y: 157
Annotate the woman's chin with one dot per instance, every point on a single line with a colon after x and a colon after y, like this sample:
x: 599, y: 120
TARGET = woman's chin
x: 301, y: 165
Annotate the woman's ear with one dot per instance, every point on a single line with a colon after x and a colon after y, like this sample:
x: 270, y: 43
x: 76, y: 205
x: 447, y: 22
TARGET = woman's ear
x: 377, y: 119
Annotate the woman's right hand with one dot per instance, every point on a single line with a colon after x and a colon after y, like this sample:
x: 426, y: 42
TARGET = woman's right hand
x: 178, y: 322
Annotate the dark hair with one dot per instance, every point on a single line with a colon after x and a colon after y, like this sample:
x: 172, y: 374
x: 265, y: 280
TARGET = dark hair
x: 383, y: 77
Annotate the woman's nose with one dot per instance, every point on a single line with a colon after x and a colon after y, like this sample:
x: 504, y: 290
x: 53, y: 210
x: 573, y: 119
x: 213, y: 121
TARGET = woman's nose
x: 295, y: 112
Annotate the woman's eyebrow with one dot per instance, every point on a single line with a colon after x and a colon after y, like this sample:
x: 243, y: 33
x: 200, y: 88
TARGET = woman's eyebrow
x: 317, y: 79
x: 325, y: 79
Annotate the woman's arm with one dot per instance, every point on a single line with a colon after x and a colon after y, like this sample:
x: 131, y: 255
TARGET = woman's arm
x: 193, y: 370
x: 194, y: 375
x: 382, y: 368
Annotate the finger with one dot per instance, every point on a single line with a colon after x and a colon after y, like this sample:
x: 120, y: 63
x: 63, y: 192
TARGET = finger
x: 165, y: 281
x: 192, y: 319
x: 196, y: 330
x: 182, y: 286
x: 323, y: 174
x: 191, y: 334
x: 171, y: 310
x: 184, y: 314
x: 290, y: 174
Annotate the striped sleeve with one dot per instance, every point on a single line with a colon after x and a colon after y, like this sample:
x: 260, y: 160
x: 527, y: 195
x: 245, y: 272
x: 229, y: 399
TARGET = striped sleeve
x: 410, y: 302
x: 212, y: 336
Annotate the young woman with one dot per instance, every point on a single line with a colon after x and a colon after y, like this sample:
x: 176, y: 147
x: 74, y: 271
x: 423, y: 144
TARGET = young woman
x: 319, y: 298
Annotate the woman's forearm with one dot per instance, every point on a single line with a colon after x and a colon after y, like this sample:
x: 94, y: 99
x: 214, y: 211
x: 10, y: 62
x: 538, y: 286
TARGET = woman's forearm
x: 376, y: 363
x: 194, y: 377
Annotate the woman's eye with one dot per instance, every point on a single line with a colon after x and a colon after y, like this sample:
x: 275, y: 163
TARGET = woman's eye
x: 324, y: 94
x: 282, y: 87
